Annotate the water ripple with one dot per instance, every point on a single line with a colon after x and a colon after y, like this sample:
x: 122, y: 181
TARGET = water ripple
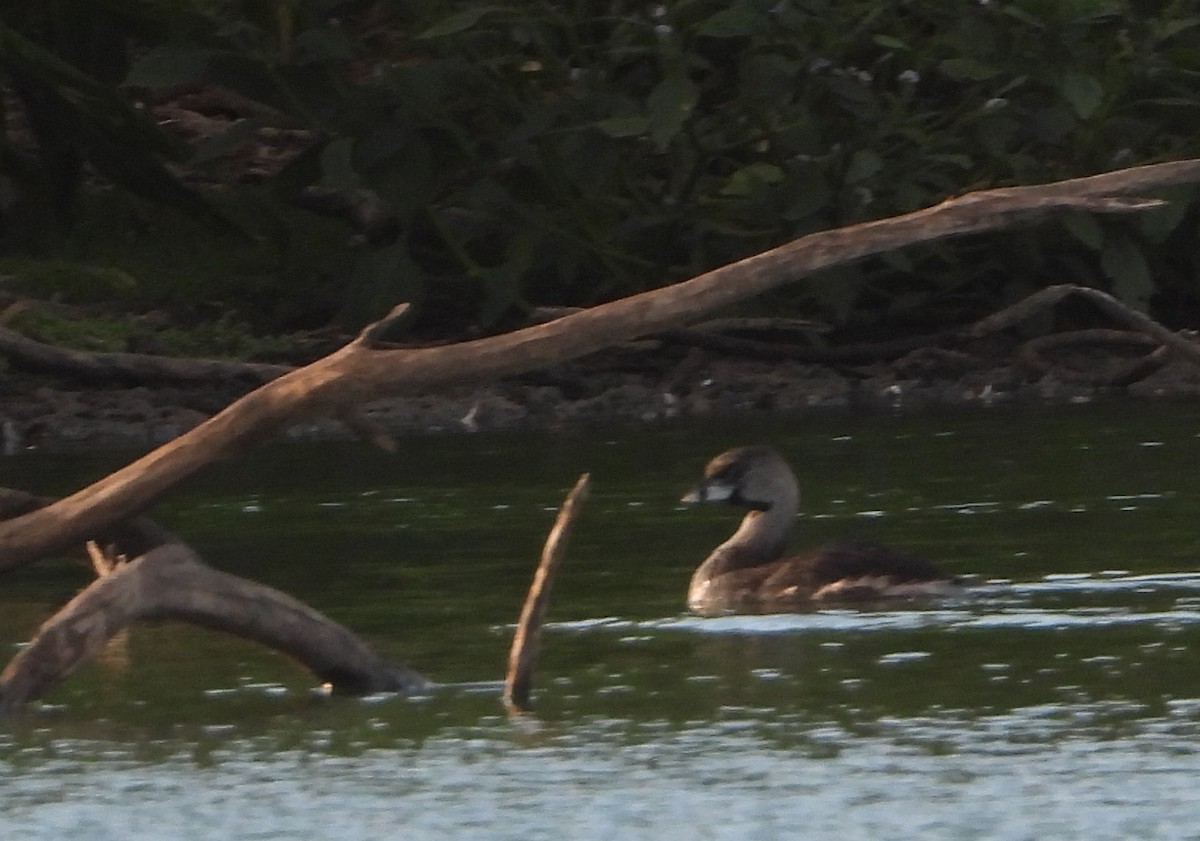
x: 986, y: 606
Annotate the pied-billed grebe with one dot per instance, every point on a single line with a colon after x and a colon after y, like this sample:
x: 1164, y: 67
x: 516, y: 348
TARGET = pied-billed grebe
x: 748, y: 573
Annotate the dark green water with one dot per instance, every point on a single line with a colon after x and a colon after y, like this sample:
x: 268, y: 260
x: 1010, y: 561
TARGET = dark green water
x: 1060, y: 699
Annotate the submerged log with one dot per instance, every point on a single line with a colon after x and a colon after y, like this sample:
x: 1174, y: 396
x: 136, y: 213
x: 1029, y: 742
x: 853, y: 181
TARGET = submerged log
x: 362, y: 370
x: 170, y: 582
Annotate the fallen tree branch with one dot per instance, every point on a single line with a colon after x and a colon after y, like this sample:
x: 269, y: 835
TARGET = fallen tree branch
x: 31, y: 355
x: 1052, y: 295
x: 135, y: 536
x: 1036, y: 354
x: 171, y: 582
x: 522, y: 656
x: 360, y: 372
x: 849, y: 354
x: 105, y: 561
x: 1146, y: 330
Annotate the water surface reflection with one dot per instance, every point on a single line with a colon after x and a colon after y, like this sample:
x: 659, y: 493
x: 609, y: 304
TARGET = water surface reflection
x: 1058, y: 699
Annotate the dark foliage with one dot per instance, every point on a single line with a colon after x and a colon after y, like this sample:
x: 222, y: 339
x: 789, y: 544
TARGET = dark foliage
x: 571, y: 152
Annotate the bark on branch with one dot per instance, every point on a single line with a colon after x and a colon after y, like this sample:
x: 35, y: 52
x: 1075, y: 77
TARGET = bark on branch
x: 360, y: 371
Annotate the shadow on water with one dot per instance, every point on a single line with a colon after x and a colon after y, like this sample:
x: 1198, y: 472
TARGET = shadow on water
x: 1059, y: 698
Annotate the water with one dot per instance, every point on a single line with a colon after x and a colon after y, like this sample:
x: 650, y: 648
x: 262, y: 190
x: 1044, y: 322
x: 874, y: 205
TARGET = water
x: 1059, y: 699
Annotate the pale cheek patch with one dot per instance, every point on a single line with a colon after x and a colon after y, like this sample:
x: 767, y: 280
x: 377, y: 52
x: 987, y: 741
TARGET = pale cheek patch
x: 709, y: 493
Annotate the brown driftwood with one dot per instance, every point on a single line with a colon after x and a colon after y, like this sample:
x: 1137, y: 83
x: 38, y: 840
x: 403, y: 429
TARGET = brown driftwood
x: 361, y: 371
x: 522, y: 656
x: 1146, y: 333
x: 1043, y: 355
x: 134, y: 536
x: 1052, y: 295
x: 849, y: 354
x: 171, y: 582
x: 1158, y: 341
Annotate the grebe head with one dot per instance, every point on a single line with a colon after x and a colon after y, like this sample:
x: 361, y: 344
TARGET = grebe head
x: 757, y: 478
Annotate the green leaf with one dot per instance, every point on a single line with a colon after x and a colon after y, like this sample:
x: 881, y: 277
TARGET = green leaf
x: 890, y: 43
x: 460, y: 22
x: 322, y: 46
x: 503, y: 283
x: 1125, y: 265
x: 856, y: 97
x: 810, y: 192
x: 670, y: 104
x: 1158, y: 224
x: 734, y: 22
x: 254, y: 77
x: 750, y: 178
x: 337, y: 165
x: 1085, y: 228
x: 953, y: 159
x: 1174, y: 102
x: 1024, y: 17
x: 167, y: 66
x: 1168, y: 28
x: 74, y: 93
x: 863, y: 164
x: 631, y: 126
x: 1084, y: 93
x: 967, y: 70
x: 120, y: 141
x: 379, y: 277
x: 1054, y: 124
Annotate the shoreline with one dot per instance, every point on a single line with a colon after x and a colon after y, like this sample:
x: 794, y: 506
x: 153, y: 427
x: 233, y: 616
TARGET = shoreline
x: 59, y: 419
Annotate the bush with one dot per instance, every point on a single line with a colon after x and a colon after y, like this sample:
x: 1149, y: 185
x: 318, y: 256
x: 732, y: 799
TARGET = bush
x: 572, y: 152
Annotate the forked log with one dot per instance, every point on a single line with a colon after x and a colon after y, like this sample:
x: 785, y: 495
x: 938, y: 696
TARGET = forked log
x: 1050, y: 296
x: 171, y: 582
x: 522, y: 656
x: 361, y: 371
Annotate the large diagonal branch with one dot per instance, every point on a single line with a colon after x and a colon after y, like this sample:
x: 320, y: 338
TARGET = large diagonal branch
x: 360, y: 372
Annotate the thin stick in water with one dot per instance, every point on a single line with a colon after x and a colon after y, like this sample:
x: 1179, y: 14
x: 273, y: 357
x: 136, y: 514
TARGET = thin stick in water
x: 522, y: 657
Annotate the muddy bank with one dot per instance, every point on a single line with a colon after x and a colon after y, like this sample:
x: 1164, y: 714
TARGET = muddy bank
x: 632, y: 386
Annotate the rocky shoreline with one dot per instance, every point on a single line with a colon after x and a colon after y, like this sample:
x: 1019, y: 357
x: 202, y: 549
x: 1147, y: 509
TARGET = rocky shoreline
x: 613, y: 389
